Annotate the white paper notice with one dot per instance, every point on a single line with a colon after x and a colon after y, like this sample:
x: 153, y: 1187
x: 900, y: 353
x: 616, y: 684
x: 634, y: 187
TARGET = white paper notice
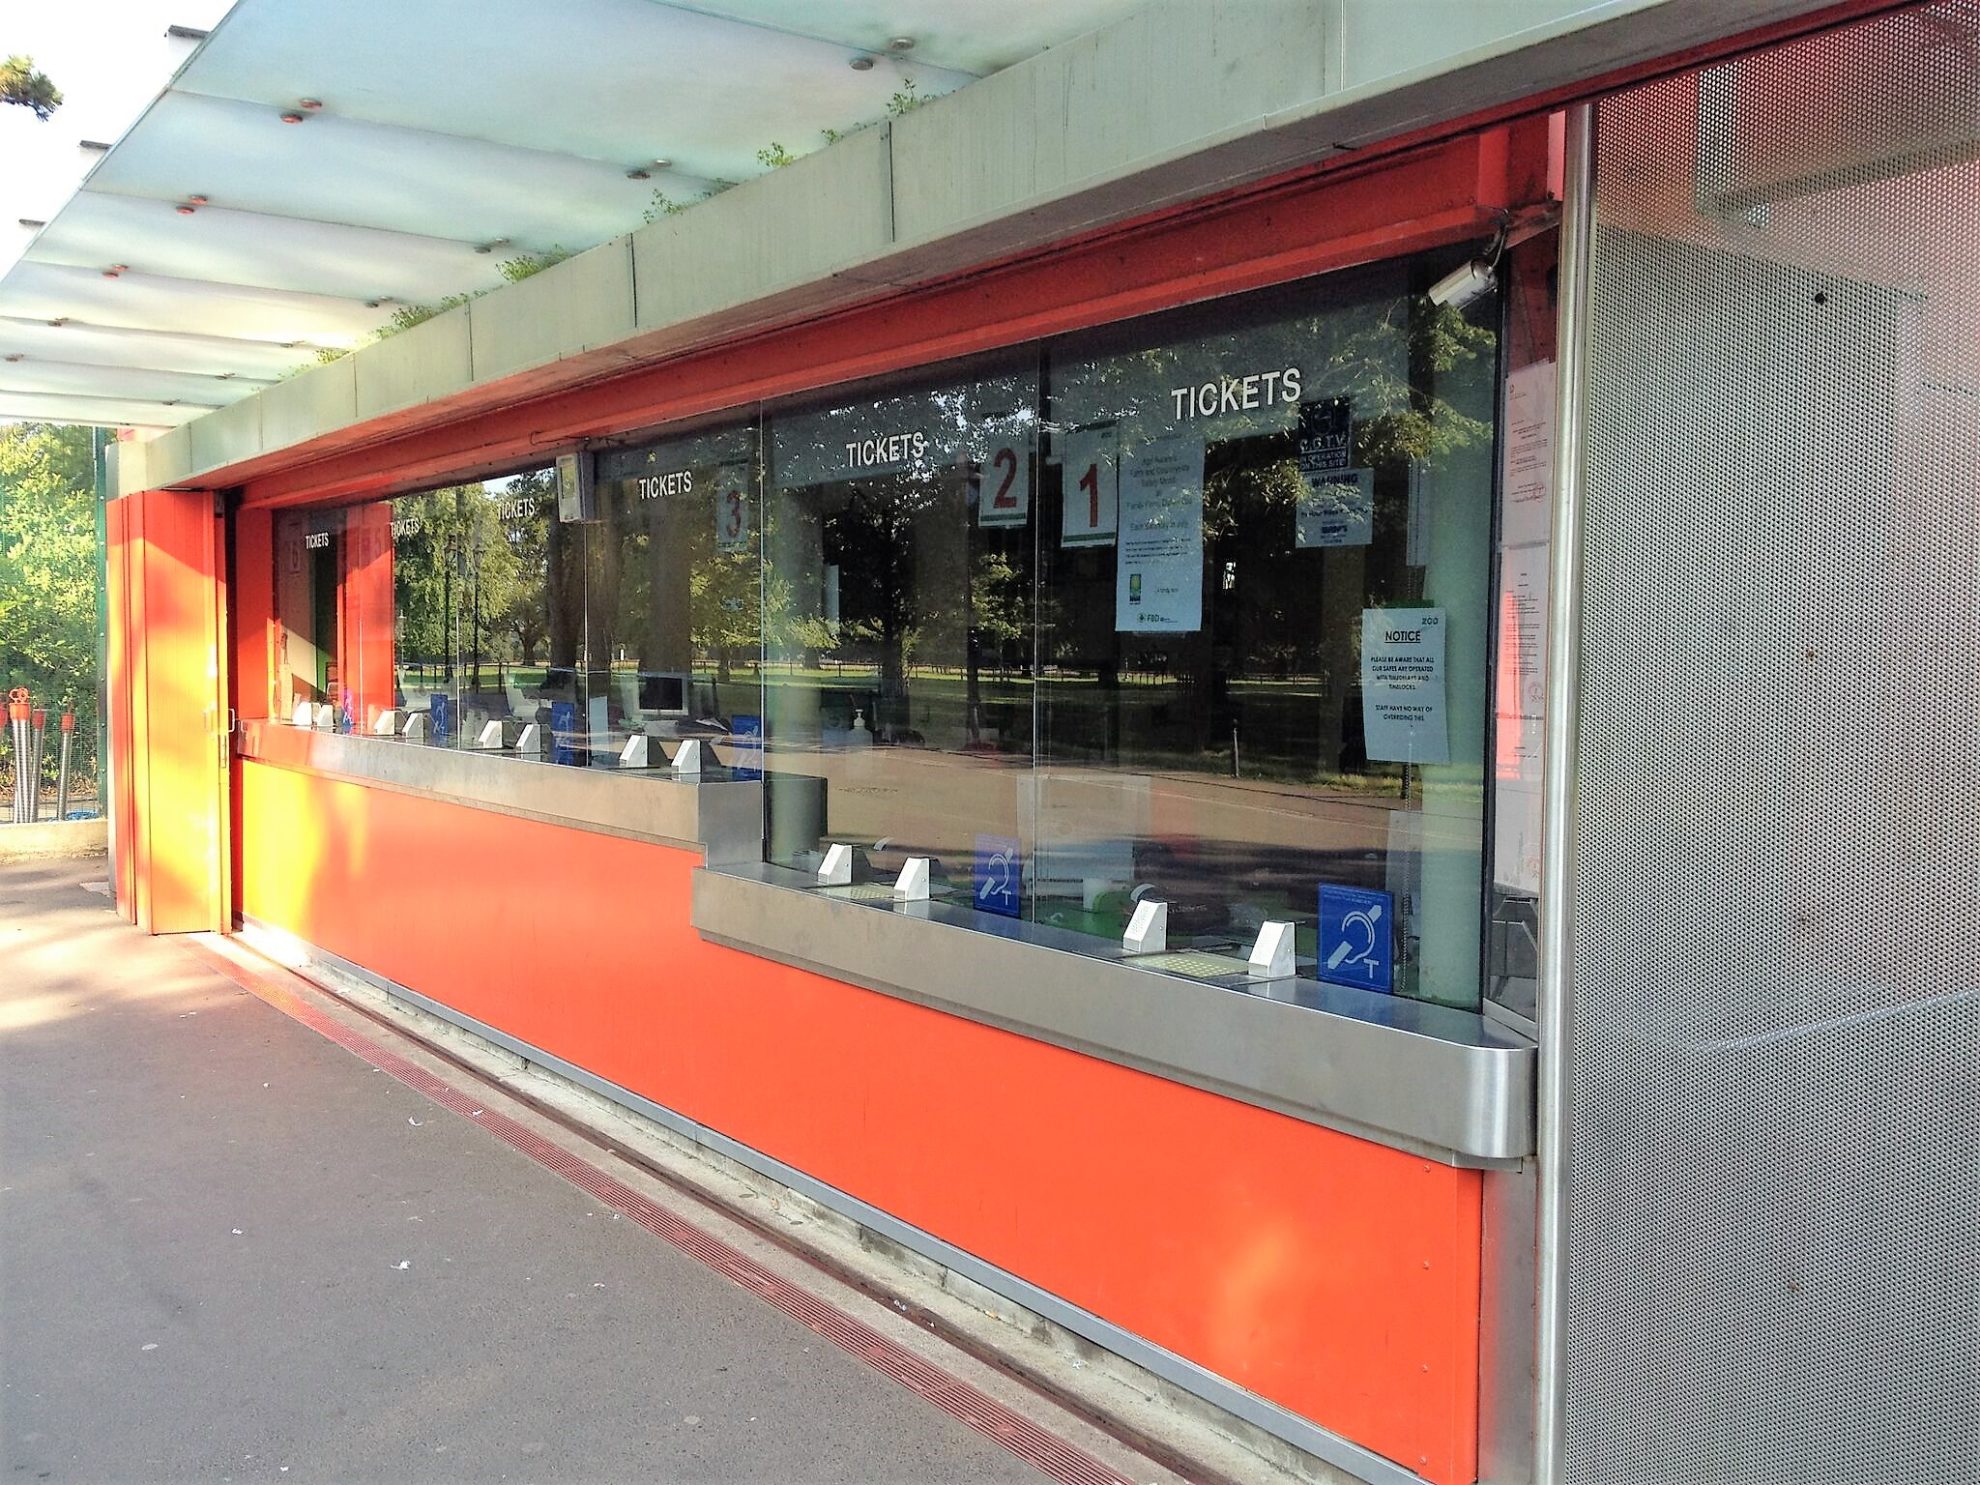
x: 1529, y: 467
x: 1093, y: 492
x: 1522, y: 677
x: 1521, y: 717
x: 1336, y: 510
x: 1159, y: 579
x: 1403, y: 716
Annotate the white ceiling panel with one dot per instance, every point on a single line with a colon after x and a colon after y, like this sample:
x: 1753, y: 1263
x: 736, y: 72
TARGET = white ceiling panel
x: 140, y: 302
x: 31, y: 374
x: 975, y: 36
x: 253, y: 362
x: 335, y: 169
x: 620, y: 81
x: 250, y: 248
x: 444, y: 126
x: 105, y: 412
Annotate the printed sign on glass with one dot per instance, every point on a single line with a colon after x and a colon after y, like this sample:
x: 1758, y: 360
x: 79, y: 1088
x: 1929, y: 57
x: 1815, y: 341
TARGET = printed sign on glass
x: 1403, y: 716
x: 999, y: 876
x: 1356, y: 937
x: 1092, y: 487
x: 732, y: 509
x: 1158, y: 582
x: 1001, y: 483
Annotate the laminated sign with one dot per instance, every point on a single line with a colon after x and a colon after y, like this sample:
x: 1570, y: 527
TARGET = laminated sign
x: 1403, y: 715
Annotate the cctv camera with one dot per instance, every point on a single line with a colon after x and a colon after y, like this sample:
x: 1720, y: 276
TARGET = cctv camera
x: 1463, y: 284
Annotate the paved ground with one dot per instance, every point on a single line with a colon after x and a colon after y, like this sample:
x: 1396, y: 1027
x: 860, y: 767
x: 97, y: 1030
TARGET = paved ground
x: 232, y: 1250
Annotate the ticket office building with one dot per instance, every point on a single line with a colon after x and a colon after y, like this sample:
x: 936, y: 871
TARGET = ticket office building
x: 1049, y: 762
x: 1185, y: 615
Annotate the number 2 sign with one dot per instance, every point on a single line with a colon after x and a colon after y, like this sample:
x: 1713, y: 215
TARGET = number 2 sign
x: 1092, y: 502
x: 732, y: 513
x: 1004, y: 486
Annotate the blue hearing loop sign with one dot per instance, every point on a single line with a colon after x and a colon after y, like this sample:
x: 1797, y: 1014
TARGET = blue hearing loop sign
x: 1357, y: 937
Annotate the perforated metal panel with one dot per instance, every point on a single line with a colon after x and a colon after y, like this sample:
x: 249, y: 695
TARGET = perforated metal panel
x: 1772, y: 1240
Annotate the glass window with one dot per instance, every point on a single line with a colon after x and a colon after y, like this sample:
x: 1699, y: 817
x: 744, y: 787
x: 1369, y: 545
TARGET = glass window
x: 1264, y: 561
x: 673, y: 613
x: 474, y: 596
x: 898, y: 622
x: 1210, y: 631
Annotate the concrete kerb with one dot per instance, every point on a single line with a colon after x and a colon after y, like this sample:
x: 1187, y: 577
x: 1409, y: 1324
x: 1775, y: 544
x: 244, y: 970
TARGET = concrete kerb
x: 54, y: 839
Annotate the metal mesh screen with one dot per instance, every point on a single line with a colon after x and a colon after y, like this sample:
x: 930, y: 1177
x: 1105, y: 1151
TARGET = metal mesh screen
x: 1773, y: 1174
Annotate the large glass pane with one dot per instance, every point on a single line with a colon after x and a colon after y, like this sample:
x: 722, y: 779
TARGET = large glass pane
x: 1264, y: 565
x: 478, y: 627
x: 672, y: 595
x: 898, y: 623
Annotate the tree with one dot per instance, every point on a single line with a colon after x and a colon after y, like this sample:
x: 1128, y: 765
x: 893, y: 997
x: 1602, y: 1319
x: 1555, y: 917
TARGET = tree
x: 48, y: 572
x: 21, y: 84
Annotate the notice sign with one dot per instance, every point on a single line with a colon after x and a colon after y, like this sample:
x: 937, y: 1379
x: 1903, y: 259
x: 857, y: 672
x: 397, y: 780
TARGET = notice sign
x: 1159, y: 579
x: 1336, y: 510
x: 1528, y: 478
x: 1403, y: 715
x: 1336, y: 503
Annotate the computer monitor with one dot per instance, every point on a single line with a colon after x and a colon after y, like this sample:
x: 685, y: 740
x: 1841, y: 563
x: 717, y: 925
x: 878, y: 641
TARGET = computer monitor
x: 663, y: 691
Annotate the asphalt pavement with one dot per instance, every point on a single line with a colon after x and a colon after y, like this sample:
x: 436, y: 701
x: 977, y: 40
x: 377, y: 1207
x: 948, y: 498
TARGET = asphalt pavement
x: 232, y: 1250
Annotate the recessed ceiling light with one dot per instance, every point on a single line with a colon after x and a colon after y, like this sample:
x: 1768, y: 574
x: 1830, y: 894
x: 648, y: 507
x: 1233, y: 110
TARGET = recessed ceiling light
x: 15, y: 356
x: 638, y: 174
x: 32, y: 222
x: 197, y: 200
x: 310, y: 105
x: 186, y: 33
x: 95, y: 145
x: 861, y: 64
x: 663, y: 164
x: 292, y: 117
x: 185, y: 209
x: 900, y: 44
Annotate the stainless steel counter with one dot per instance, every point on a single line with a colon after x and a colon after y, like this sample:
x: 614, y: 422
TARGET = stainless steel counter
x: 723, y: 819
x: 1436, y: 1081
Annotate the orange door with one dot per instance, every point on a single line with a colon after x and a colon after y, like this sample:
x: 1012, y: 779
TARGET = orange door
x: 169, y: 677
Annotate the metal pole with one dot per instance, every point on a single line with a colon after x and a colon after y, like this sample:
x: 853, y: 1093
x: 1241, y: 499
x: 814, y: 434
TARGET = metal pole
x: 34, y: 774
x: 1557, y: 874
x: 62, y: 774
x: 19, y: 710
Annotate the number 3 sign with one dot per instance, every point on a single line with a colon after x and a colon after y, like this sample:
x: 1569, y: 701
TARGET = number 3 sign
x: 1093, y: 494
x: 732, y: 514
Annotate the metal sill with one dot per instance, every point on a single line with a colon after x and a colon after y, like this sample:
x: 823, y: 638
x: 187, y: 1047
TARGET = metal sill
x: 1428, y: 1079
x: 720, y: 817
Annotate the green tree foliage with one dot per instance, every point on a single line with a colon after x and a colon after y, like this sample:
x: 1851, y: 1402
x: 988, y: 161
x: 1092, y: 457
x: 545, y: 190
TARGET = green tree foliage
x: 48, y: 574
x: 21, y: 84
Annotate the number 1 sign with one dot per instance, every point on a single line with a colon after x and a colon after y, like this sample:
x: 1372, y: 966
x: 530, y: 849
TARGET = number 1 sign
x: 1092, y: 501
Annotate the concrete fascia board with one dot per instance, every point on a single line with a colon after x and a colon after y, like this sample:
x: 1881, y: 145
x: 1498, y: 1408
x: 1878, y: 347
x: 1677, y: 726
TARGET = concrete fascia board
x: 1182, y: 99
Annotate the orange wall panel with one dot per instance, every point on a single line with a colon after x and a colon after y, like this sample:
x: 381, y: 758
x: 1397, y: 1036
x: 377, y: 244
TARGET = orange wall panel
x: 1332, y: 1275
